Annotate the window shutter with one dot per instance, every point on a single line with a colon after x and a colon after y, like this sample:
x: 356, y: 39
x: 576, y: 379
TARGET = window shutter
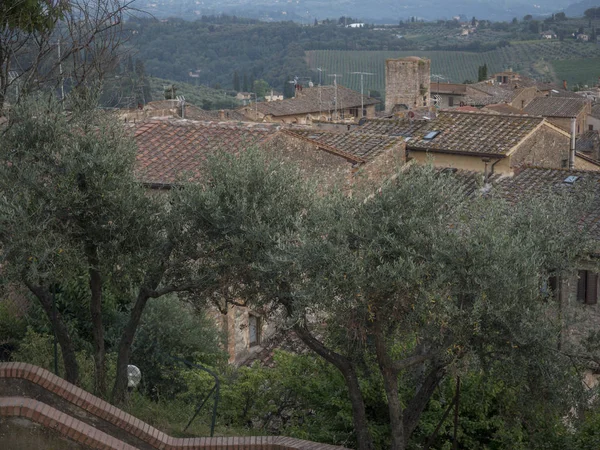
x: 581, y: 285
x: 591, y: 294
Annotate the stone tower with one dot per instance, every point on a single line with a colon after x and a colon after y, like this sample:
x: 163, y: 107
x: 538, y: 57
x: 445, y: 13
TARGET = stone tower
x: 407, y: 83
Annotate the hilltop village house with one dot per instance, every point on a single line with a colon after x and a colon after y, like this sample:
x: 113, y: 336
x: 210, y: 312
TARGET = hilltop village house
x: 313, y: 104
x: 483, y: 142
x: 561, y: 111
x: 577, y: 293
x: 499, y: 143
x: 174, y: 151
x: 594, y: 118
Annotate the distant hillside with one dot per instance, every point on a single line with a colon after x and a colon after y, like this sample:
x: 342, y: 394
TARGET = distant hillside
x: 577, y: 9
x: 380, y: 11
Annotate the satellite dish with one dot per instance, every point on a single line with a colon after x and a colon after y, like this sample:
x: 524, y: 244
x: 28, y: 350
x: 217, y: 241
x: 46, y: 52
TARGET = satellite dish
x: 134, y: 376
x: 310, y: 84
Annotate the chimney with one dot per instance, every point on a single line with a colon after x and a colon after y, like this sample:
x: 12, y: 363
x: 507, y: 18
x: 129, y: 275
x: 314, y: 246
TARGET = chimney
x: 565, y: 85
x: 221, y: 114
x: 572, y: 149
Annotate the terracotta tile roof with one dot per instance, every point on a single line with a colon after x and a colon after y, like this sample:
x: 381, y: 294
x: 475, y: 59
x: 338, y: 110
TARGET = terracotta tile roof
x: 162, y: 104
x: 503, y: 108
x: 568, y: 94
x: 310, y: 101
x: 194, y: 113
x: 359, y: 147
x: 459, y: 132
x: 447, y: 88
x: 465, y: 108
x: 534, y: 181
x: 171, y: 150
x: 484, y: 93
x: 555, y: 107
x: 471, y: 182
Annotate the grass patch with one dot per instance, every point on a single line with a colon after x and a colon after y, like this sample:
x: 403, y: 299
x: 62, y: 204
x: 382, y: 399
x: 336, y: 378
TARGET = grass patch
x: 171, y: 417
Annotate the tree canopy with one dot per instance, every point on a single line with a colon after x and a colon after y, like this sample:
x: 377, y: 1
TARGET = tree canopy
x: 412, y: 277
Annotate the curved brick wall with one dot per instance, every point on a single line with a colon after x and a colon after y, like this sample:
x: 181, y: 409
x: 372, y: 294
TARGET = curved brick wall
x: 83, y: 432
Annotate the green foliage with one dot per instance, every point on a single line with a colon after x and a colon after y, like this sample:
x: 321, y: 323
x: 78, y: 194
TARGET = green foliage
x: 261, y: 88
x: 413, y: 268
x: 32, y: 15
x: 38, y: 349
x: 300, y: 396
x: 461, y: 65
x: 171, y: 328
x: 12, y: 324
x: 482, y: 73
x: 577, y: 72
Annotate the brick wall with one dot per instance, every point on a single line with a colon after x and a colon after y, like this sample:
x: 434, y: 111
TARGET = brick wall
x: 26, y: 412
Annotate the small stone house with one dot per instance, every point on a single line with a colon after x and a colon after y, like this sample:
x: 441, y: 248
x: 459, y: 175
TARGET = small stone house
x: 578, y: 293
x: 318, y: 103
x: 484, y: 142
x: 593, y: 120
x: 448, y: 95
x: 172, y: 151
x: 561, y: 110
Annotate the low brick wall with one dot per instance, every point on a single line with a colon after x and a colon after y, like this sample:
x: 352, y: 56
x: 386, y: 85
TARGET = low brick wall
x: 85, y: 433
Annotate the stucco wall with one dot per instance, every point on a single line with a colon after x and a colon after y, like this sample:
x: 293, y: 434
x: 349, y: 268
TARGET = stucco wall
x: 544, y: 148
x: 594, y: 122
x: 459, y: 161
x: 238, y: 333
x: 564, y: 123
x: 524, y: 98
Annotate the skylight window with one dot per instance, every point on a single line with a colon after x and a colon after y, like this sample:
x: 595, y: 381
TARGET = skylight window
x: 571, y: 179
x: 431, y: 135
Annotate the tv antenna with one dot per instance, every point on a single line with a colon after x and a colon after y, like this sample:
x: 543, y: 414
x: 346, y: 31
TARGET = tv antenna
x: 320, y: 70
x: 335, y: 77
x: 362, y: 98
x: 437, y: 98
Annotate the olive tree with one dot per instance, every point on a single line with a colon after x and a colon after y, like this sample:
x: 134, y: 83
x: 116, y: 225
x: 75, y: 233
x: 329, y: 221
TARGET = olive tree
x: 414, y: 274
x: 71, y: 206
x: 53, y: 43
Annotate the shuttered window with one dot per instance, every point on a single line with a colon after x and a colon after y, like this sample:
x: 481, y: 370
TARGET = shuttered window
x: 587, y: 287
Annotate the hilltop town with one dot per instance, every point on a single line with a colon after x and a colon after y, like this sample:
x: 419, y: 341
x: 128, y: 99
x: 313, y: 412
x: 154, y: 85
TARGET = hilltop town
x: 358, y: 260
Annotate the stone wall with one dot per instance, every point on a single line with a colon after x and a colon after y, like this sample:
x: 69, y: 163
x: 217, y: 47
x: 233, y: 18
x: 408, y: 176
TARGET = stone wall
x: 546, y: 147
x: 330, y: 169
x: 407, y: 82
x: 524, y: 98
x: 578, y: 319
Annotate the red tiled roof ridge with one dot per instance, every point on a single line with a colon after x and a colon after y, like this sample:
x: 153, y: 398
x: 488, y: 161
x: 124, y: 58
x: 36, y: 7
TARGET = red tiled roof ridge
x: 496, y: 114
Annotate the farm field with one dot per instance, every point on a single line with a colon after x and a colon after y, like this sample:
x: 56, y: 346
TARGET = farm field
x: 578, y: 71
x: 534, y: 58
